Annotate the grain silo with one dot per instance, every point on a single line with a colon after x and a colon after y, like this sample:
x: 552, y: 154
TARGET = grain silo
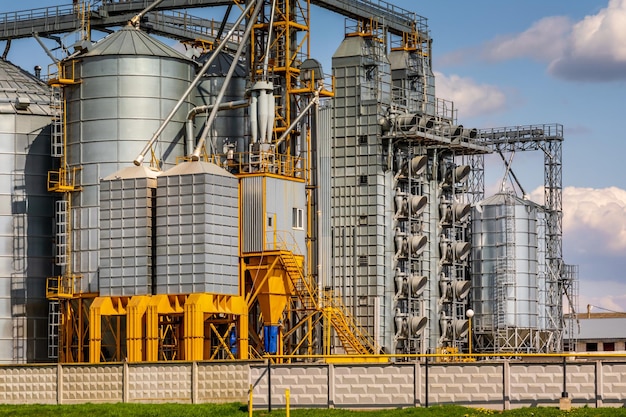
x: 26, y: 215
x: 509, y: 275
x: 118, y: 92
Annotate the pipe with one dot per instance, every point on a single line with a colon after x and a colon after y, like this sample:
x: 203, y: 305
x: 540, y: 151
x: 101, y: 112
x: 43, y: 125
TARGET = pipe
x: 300, y: 116
x: 207, y: 127
x: 231, y: 105
x: 43, y: 46
x: 266, y: 60
x: 139, y: 160
x: 137, y: 19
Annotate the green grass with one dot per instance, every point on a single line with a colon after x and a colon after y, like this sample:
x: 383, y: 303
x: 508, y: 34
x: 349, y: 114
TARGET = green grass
x: 240, y: 410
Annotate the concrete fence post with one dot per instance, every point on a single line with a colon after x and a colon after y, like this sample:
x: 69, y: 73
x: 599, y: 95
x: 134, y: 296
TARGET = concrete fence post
x: 194, y: 382
x: 506, y: 385
x: 59, y: 384
x: 599, y: 382
x: 331, y: 385
x: 125, y: 383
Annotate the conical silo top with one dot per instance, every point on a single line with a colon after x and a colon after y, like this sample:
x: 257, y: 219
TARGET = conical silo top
x: 133, y: 171
x: 18, y: 88
x: 504, y: 198
x: 196, y: 167
x: 132, y: 41
x: 221, y: 64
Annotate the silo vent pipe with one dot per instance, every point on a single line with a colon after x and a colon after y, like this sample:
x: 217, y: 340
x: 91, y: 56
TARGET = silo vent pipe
x: 231, y: 105
x: 139, y: 160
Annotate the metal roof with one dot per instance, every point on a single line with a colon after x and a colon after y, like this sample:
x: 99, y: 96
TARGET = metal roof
x: 197, y: 167
x: 507, y: 198
x: 132, y: 41
x: 17, y: 85
x: 602, y: 329
x: 133, y: 171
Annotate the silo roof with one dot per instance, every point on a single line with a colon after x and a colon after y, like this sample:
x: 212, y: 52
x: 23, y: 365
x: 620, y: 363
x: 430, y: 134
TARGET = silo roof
x: 197, y: 167
x: 506, y: 198
x: 133, y: 171
x: 132, y: 41
x: 15, y: 83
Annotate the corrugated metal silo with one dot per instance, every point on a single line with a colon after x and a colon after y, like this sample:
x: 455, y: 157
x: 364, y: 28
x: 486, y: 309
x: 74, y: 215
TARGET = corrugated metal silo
x: 197, y: 226
x: 126, y: 86
x: 228, y: 127
x: 26, y: 215
x: 508, y: 272
x: 127, y: 204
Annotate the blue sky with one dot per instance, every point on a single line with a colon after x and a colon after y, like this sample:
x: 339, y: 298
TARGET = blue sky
x: 518, y: 63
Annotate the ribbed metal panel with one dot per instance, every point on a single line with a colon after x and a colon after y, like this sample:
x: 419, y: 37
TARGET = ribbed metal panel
x: 197, y: 230
x: 26, y: 216
x: 252, y: 214
x: 129, y: 83
x: 283, y: 197
x: 324, y: 195
x: 126, y: 232
x: 361, y: 196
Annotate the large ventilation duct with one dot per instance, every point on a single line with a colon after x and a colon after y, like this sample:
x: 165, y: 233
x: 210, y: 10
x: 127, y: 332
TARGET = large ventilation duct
x: 451, y: 329
x: 413, y: 285
x: 409, y: 205
x: 456, y: 289
x: 455, y: 175
x: 414, y: 122
x: 454, y: 212
x: 409, y: 245
x: 454, y: 252
x: 452, y: 131
x: 409, y: 326
x: 416, y: 166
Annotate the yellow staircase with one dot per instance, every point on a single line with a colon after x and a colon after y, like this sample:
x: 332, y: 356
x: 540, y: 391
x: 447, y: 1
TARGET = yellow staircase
x: 354, y: 340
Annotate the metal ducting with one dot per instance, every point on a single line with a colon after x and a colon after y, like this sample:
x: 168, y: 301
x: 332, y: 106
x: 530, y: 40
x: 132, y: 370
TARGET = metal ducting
x: 456, y: 174
x: 454, y: 212
x: 454, y: 252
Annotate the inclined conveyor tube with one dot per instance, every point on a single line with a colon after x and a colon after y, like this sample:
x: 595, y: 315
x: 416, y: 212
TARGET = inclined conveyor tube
x: 207, y: 127
x: 139, y: 159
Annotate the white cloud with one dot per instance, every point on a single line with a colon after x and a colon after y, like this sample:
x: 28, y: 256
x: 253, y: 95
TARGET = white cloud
x: 544, y: 40
x: 596, y: 48
x: 594, y: 237
x: 594, y: 220
x: 469, y: 97
x: 593, y: 49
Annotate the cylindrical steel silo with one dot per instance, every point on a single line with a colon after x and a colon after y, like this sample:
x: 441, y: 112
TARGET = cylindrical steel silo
x: 507, y: 272
x: 228, y: 129
x: 125, y: 86
x: 26, y: 215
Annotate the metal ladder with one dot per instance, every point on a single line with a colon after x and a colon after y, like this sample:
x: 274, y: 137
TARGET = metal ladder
x: 54, y: 324
x: 56, y: 135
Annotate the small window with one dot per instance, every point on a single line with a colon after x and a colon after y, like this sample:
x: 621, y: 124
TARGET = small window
x: 363, y: 140
x: 362, y: 179
x: 608, y: 346
x: 269, y: 221
x: 362, y: 260
x: 592, y: 347
x: 363, y: 220
x: 297, y: 218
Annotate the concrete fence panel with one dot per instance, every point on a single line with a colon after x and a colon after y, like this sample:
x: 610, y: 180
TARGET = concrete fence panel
x: 92, y: 383
x: 474, y: 385
x: 222, y: 383
x: 159, y: 383
x: 612, y: 385
x: 362, y: 386
x: 29, y: 384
